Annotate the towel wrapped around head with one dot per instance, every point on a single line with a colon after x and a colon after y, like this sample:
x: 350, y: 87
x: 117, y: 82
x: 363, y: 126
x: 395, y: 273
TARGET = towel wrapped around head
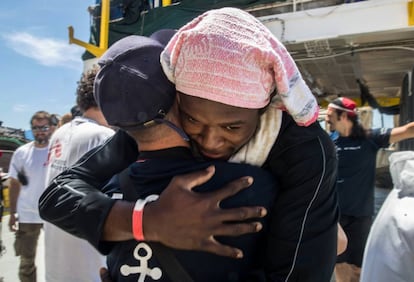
x: 228, y: 56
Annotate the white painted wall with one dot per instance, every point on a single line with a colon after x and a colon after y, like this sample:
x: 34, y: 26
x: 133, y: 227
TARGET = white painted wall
x: 346, y: 19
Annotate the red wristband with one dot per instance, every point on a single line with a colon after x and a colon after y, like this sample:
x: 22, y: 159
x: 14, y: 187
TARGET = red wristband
x: 137, y: 226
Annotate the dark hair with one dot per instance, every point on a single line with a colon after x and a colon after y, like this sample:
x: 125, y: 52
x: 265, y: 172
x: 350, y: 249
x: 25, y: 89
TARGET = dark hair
x: 84, y: 92
x: 41, y: 115
x: 65, y: 119
x: 75, y: 111
x: 357, y: 130
x: 54, y: 119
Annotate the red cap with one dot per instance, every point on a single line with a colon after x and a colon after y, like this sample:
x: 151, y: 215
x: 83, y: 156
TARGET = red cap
x: 344, y: 104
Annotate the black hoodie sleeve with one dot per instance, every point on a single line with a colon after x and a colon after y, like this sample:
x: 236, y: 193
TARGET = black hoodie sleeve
x: 302, y: 240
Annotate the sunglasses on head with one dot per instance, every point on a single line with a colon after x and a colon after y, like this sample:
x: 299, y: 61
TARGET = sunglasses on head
x: 40, y: 128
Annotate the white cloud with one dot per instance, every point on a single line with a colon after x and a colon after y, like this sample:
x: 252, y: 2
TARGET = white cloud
x: 46, y: 51
x: 20, y: 108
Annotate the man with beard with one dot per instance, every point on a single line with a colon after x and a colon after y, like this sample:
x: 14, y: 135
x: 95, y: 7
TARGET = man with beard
x: 27, y: 173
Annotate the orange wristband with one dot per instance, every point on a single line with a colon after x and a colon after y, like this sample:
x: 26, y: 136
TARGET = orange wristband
x: 137, y: 226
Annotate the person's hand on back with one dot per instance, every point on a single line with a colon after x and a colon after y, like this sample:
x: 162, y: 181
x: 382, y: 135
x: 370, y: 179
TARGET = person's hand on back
x: 104, y: 274
x: 184, y: 219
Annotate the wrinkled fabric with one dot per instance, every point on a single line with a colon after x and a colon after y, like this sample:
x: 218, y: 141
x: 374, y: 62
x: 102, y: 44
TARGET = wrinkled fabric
x: 389, y: 253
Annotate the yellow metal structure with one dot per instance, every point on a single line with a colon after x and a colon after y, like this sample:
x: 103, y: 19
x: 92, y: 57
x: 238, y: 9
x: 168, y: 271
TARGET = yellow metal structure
x: 97, y: 51
x: 166, y: 3
x: 6, y: 198
x: 382, y: 101
x: 410, y: 9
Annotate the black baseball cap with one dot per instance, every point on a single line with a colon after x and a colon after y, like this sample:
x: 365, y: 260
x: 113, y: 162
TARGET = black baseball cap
x: 131, y: 88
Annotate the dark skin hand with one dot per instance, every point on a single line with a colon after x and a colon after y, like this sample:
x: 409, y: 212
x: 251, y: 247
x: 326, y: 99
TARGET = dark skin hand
x: 104, y: 274
x: 194, y: 217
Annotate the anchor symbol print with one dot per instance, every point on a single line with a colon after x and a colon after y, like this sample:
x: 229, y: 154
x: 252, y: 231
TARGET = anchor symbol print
x: 143, y: 269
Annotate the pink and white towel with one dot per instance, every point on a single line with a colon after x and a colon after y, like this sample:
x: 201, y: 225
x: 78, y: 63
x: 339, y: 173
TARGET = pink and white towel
x: 228, y: 56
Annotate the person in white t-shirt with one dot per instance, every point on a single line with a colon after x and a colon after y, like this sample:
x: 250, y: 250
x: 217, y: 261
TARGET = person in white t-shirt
x: 68, y: 258
x: 389, y: 252
x: 27, y: 173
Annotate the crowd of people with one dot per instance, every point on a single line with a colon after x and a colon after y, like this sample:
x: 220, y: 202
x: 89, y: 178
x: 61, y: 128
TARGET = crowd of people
x: 196, y: 155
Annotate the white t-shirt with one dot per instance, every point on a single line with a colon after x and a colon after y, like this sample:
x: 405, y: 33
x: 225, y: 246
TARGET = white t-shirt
x: 32, y: 162
x: 68, y: 258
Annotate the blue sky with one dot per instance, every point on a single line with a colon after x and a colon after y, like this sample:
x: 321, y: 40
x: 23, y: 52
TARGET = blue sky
x: 39, y: 69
